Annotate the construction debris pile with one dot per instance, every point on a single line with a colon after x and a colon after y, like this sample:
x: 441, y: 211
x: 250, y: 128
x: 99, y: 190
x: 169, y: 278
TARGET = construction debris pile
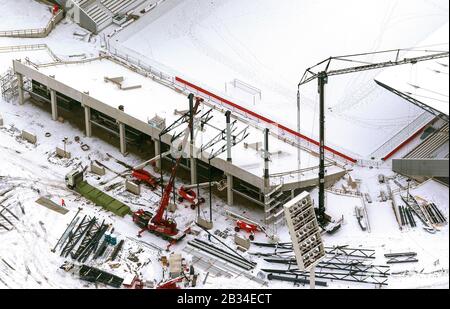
x: 428, y: 214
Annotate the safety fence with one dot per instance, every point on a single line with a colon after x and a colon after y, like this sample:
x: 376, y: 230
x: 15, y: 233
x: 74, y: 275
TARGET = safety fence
x: 35, y: 33
x: 403, y: 137
x: 29, y: 47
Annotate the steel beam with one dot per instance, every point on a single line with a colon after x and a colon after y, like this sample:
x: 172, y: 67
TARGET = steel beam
x: 414, y: 101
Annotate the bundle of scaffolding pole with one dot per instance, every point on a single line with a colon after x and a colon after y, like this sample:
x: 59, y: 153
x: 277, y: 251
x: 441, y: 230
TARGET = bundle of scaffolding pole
x: 348, y: 277
x: 221, y: 254
x: 345, y: 251
x: 296, y: 279
x: 336, y: 269
x: 338, y: 264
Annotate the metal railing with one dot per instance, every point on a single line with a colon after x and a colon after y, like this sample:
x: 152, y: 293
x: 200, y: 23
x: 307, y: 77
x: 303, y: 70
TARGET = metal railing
x: 35, y: 33
x: 19, y: 48
x: 421, y: 121
x: 29, y: 47
x: 136, y: 59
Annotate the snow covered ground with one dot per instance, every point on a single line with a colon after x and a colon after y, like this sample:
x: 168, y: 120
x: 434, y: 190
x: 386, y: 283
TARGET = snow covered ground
x: 269, y: 44
x: 23, y: 14
x: 31, y: 171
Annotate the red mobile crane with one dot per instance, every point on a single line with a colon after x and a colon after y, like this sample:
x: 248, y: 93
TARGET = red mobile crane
x: 170, y: 285
x: 158, y: 224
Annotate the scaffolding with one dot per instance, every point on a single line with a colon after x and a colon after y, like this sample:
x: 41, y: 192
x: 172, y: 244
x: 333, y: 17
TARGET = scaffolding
x: 9, y: 85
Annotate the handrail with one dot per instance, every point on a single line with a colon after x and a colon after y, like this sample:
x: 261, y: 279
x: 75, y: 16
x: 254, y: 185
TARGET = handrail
x: 15, y: 48
x: 28, y: 47
x: 402, y: 135
x: 308, y: 169
x: 35, y: 33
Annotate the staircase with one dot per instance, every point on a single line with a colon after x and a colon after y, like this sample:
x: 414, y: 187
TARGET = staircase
x: 432, y: 144
x: 119, y: 6
x: 101, y: 12
x: 274, y: 202
x: 9, y: 85
x: 98, y: 14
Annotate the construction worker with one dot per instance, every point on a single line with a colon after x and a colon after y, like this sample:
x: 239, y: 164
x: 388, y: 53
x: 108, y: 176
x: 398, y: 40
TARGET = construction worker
x: 55, y: 9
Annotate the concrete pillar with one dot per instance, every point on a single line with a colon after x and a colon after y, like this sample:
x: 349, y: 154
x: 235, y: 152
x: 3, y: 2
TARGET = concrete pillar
x: 20, y: 88
x: 54, y: 104
x: 230, y: 200
x: 123, y: 141
x: 157, y: 153
x: 87, y: 120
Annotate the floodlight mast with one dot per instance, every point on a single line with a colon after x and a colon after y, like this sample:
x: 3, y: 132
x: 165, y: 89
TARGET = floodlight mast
x: 322, y: 75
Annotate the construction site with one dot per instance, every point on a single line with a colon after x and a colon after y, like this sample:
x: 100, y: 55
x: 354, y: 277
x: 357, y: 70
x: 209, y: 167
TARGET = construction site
x: 189, y: 144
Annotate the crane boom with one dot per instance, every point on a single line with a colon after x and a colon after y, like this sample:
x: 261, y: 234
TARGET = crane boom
x: 310, y: 75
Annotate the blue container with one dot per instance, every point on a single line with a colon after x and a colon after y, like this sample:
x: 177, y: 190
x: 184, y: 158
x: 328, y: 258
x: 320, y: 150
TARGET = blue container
x: 108, y: 238
x: 113, y: 240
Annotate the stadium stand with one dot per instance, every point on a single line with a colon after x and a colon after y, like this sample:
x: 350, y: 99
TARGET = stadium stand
x: 102, y: 12
x: 430, y: 148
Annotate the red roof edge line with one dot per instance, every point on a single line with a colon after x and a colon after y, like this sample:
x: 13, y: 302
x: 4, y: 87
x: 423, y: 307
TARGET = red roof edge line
x: 271, y: 122
x: 397, y: 149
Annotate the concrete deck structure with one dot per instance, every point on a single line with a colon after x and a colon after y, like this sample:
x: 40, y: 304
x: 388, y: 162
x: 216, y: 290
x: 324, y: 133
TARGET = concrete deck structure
x: 87, y: 83
x: 421, y: 167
